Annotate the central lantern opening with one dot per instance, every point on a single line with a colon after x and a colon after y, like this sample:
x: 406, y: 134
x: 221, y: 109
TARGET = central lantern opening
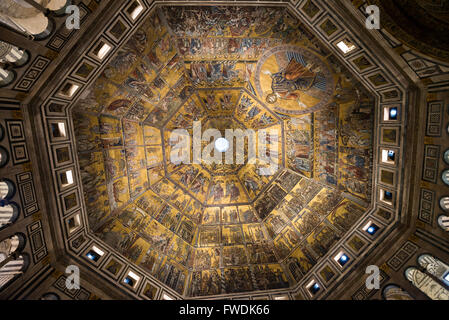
x: 222, y: 144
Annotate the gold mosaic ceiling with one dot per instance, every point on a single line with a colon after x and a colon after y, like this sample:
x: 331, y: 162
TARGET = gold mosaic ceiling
x: 205, y: 229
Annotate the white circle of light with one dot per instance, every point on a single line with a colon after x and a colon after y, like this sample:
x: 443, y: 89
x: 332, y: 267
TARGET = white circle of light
x: 222, y: 145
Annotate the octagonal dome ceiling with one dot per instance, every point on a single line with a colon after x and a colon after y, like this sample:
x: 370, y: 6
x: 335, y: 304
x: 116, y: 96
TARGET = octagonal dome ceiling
x: 210, y: 229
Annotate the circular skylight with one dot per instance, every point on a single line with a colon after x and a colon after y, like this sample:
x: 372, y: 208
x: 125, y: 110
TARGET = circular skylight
x: 222, y: 145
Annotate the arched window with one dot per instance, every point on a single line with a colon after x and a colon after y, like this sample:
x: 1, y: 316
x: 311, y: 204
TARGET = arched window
x: 435, y: 267
x: 12, y: 264
x: 394, y: 292
x: 50, y: 296
x: 426, y: 284
x: 4, y: 156
x: 6, y: 77
x: 443, y: 222
x: 38, y: 26
x: 58, y: 6
x: 446, y: 156
x: 8, y: 213
x: 26, y: 19
x: 445, y: 177
x: 13, y: 269
x: 12, y: 55
x: 10, y: 246
x: 444, y: 203
x: 7, y: 189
